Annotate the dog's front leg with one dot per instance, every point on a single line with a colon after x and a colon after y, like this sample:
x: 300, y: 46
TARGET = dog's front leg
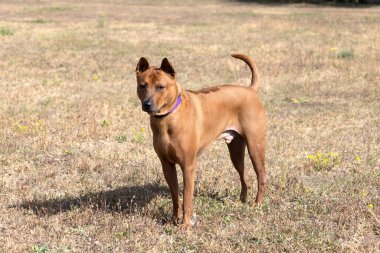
x: 188, y: 171
x: 170, y: 174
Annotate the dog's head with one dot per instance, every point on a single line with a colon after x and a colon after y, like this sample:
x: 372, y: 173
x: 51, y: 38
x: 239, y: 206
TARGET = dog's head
x: 156, y: 87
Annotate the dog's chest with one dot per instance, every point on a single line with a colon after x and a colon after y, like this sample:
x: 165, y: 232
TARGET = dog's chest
x: 163, y: 144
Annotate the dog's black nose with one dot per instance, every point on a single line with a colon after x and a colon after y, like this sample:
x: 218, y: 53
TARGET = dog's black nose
x: 147, y: 105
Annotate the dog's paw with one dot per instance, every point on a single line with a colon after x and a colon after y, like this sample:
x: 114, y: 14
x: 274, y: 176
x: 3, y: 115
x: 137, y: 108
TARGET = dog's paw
x: 257, y: 204
x: 176, y: 221
x: 185, y: 226
x: 189, y: 225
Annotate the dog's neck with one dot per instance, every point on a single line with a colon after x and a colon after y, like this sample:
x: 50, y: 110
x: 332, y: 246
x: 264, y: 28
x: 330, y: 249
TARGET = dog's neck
x: 178, y: 102
x: 170, y: 121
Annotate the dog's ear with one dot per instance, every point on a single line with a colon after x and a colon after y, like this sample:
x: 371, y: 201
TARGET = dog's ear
x: 167, y: 67
x: 142, y: 65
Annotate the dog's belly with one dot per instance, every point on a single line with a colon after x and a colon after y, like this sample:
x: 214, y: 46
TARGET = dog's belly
x: 227, y: 135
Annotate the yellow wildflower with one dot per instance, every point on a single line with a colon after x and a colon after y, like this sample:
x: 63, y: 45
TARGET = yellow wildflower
x: 95, y: 77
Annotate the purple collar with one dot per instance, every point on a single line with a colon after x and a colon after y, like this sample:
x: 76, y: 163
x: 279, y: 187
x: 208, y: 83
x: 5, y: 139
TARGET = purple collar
x: 179, y: 100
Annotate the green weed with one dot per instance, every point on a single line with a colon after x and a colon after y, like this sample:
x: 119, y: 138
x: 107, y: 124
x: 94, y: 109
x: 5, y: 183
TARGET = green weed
x: 22, y: 150
x: 40, y: 21
x: 121, y: 235
x: 121, y: 138
x: 40, y: 249
x: 6, y: 31
x: 345, y: 54
x: 101, y: 22
x: 170, y: 230
x: 105, y: 123
x: 53, y: 9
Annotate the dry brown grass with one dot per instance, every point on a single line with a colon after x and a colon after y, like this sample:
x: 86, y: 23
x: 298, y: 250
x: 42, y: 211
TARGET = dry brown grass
x: 77, y: 167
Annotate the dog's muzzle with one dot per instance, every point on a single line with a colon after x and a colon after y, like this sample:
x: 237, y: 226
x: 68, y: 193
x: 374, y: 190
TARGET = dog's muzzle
x: 148, y: 106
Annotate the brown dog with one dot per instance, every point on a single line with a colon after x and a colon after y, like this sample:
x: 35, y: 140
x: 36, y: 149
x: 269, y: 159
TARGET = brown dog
x: 184, y: 122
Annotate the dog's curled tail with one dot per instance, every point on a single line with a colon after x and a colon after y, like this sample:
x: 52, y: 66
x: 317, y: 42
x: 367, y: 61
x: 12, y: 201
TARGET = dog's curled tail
x: 255, y: 72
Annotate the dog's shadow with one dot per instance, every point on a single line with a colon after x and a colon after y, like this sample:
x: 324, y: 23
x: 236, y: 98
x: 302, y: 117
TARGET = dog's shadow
x: 129, y: 199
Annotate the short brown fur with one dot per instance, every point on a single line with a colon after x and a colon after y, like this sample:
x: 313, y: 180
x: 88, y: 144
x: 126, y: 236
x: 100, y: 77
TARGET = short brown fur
x: 224, y: 111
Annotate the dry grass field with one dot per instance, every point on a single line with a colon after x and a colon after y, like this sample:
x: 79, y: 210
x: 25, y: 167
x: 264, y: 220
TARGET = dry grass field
x: 78, y: 172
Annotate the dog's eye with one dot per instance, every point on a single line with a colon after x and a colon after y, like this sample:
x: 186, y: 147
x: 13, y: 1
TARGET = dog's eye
x: 160, y: 87
x: 142, y: 86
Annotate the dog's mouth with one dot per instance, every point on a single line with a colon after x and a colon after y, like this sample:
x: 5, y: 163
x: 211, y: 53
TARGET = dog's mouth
x: 149, y: 111
x: 153, y: 112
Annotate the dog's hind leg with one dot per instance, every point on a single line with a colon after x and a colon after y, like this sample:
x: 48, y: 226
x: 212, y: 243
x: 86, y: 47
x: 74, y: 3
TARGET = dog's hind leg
x: 237, y: 149
x: 256, y: 150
